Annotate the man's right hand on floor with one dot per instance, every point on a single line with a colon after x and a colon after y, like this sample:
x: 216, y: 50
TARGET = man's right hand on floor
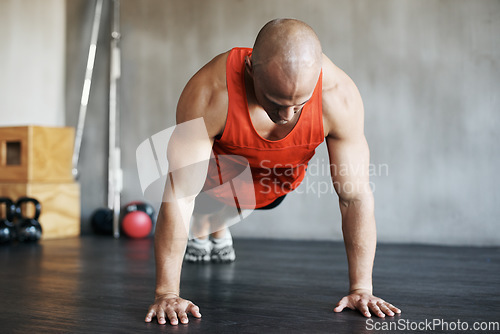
x: 174, y: 308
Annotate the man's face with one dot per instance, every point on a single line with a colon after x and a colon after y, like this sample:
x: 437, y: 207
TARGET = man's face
x: 283, y: 96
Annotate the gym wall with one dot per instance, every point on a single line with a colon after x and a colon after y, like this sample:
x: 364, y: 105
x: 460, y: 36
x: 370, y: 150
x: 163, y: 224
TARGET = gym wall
x: 428, y: 72
x: 32, y: 62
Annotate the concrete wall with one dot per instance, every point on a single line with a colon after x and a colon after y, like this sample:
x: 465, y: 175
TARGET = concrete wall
x: 32, y: 62
x: 428, y: 71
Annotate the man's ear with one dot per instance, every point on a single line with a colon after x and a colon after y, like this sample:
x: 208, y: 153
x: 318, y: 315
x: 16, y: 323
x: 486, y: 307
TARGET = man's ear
x: 248, y: 65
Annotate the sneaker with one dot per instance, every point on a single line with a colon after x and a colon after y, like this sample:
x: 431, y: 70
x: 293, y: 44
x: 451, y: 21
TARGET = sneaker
x: 222, y: 249
x: 198, y: 250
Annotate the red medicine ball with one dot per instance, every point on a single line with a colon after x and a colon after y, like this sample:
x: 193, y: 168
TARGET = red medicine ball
x: 137, y: 224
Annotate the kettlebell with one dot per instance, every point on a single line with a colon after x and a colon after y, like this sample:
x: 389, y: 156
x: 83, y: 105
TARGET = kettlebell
x: 28, y: 229
x: 7, y: 229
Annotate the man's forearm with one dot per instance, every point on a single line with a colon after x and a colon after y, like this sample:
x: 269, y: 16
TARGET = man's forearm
x: 360, y: 238
x: 170, y: 244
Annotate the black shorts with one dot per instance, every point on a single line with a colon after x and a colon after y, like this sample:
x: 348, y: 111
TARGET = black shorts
x: 204, y: 204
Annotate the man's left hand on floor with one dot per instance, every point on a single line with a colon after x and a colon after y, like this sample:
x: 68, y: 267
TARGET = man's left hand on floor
x: 364, y: 301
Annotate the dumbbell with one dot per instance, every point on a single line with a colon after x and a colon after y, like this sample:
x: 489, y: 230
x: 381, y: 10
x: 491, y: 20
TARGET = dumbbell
x: 7, y: 229
x: 28, y: 229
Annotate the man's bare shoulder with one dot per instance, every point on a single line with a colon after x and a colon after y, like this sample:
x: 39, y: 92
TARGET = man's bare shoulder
x: 342, y: 105
x: 205, y: 95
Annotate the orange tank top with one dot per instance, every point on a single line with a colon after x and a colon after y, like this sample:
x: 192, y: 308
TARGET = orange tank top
x: 277, y: 167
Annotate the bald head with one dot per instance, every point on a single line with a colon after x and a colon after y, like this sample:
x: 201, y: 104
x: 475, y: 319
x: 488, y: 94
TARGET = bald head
x: 290, y: 44
x: 284, y: 68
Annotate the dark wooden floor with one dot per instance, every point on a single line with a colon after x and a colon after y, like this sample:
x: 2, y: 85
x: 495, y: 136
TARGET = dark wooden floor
x: 101, y: 285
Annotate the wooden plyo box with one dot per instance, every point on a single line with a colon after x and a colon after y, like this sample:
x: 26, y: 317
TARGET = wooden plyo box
x: 60, y: 215
x: 36, y: 153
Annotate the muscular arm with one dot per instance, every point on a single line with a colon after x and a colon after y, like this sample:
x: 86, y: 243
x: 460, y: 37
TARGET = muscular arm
x: 200, y: 117
x: 349, y: 160
x: 356, y: 206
